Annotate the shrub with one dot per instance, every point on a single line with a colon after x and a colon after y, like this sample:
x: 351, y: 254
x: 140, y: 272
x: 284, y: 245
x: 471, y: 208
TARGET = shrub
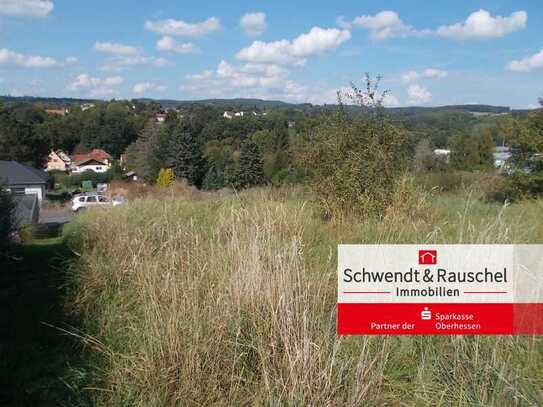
x: 517, y: 186
x: 75, y: 180
x: 165, y: 178
x: 28, y: 233
x: 357, y: 162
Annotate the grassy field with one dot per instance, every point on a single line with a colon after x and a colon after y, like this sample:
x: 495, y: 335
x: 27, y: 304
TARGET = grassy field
x: 230, y: 300
x: 37, y: 357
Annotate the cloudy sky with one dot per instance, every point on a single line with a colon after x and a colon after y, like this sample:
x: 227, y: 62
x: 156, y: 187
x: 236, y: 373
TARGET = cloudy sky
x: 299, y: 51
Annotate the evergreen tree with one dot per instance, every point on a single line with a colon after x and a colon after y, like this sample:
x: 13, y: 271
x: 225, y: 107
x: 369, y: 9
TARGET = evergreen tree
x: 185, y: 156
x: 250, y: 170
x: 146, y: 155
x: 486, y: 149
x: 214, y: 179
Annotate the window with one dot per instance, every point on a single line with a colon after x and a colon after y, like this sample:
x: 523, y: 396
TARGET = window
x: 102, y: 199
x: 91, y: 199
x: 82, y: 199
x: 98, y: 168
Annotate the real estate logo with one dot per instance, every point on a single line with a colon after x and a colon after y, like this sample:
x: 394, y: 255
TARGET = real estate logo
x: 428, y: 257
x: 472, y: 289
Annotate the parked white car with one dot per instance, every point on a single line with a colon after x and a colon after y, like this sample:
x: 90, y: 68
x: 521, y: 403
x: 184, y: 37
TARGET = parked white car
x: 93, y: 199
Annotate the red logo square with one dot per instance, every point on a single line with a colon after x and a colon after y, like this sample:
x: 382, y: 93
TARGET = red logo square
x: 427, y: 256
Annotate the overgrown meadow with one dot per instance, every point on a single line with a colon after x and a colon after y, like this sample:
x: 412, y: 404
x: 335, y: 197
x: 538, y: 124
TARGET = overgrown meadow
x: 210, y: 299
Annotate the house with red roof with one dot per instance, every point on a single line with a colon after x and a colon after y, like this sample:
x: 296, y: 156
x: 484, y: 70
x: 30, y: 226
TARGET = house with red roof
x: 97, y: 160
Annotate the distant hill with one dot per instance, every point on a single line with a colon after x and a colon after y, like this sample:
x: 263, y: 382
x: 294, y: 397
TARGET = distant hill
x: 247, y: 104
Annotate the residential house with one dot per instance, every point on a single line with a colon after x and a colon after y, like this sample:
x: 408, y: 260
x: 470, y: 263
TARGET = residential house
x: 228, y: 115
x: 58, y: 161
x: 97, y: 160
x: 160, y: 117
x: 87, y: 106
x: 61, y: 111
x: 501, y: 156
x: 442, y: 154
x: 23, y: 179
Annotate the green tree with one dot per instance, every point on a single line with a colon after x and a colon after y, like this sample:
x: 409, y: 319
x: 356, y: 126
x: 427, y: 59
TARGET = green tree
x: 250, y: 171
x: 214, y: 178
x: 19, y: 140
x: 185, y: 156
x: 486, y: 149
x: 147, y: 154
x: 464, y: 152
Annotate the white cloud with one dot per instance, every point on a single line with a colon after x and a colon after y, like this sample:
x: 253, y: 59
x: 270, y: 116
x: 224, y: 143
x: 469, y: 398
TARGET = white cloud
x: 254, y: 24
x: 124, y: 56
x: 433, y: 73
x: 418, y: 94
x: 391, y: 100
x: 120, y: 63
x: 481, y: 24
x: 184, y: 29
x: 410, y: 76
x: 527, y: 64
x: 8, y: 57
x: 430, y: 73
x: 143, y: 87
x: 383, y: 25
x: 316, y: 41
x: 247, y: 80
x: 96, y: 87
x: 71, y: 60
x: 116, y: 49
x: 26, y: 8
x: 169, y: 44
x: 255, y: 80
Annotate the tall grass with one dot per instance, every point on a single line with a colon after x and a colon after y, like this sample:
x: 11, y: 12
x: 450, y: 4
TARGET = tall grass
x: 231, y: 301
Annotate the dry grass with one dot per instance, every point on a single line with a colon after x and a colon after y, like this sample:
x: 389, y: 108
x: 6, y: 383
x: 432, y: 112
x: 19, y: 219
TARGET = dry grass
x: 231, y: 301
x: 179, y: 190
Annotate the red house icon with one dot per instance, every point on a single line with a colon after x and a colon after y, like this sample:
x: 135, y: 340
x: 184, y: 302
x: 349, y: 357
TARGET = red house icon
x: 427, y: 256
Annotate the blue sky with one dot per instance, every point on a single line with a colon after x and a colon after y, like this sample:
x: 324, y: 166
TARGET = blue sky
x: 429, y: 53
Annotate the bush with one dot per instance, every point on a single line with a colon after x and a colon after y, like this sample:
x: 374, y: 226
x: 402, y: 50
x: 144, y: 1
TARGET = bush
x: 75, y: 180
x: 517, y: 186
x: 357, y: 164
x: 165, y: 178
x: 28, y: 233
